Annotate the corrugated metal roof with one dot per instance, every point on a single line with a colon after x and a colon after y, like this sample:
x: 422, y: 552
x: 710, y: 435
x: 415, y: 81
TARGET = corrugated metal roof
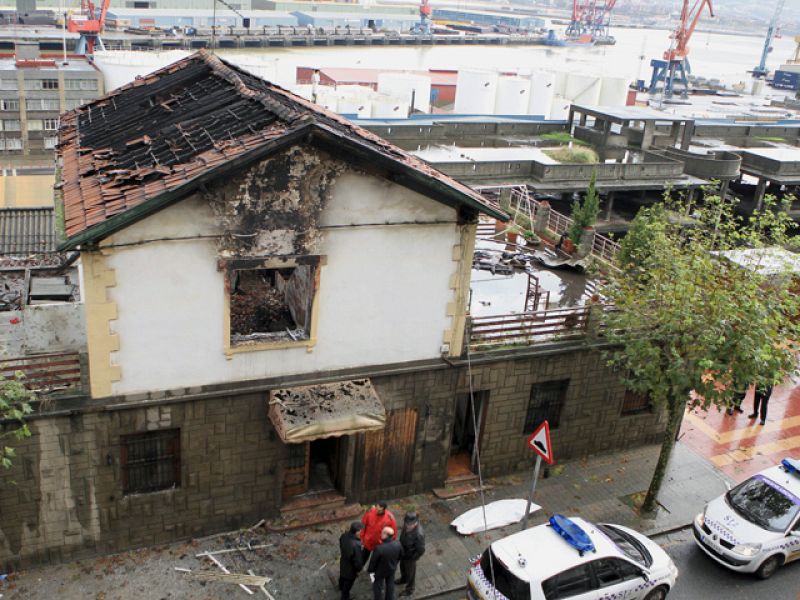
x: 160, y: 135
x: 26, y: 231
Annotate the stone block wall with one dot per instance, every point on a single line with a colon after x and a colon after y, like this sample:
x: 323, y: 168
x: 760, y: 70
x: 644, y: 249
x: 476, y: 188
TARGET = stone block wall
x: 63, y: 497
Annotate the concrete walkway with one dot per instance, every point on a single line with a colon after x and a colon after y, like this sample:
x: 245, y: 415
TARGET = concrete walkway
x: 597, y: 489
x: 303, y: 563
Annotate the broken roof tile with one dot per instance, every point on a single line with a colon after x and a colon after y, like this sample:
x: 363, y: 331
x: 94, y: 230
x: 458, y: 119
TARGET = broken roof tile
x: 162, y: 132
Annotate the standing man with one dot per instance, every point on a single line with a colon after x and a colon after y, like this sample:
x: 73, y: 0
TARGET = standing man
x: 374, y: 520
x: 412, y: 539
x: 760, y: 402
x: 383, y: 565
x: 351, y: 561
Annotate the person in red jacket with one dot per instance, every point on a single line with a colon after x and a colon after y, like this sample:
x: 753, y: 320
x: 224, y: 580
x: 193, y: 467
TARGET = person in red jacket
x: 374, y: 520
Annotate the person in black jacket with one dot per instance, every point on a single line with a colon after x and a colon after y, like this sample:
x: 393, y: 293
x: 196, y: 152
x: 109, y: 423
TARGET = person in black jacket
x: 383, y: 565
x: 351, y: 561
x: 412, y: 539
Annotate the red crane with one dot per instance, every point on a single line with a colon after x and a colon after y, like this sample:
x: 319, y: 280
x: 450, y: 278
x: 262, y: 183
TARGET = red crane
x: 90, y: 25
x: 683, y: 33
x: 591, y: 17
x: 676, y: 64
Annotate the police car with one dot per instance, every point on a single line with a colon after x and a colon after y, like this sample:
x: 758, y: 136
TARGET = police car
x: 572, y: 558
x: 755, y: 527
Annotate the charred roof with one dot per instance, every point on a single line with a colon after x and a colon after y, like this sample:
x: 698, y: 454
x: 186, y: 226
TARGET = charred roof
x: 157, y: 139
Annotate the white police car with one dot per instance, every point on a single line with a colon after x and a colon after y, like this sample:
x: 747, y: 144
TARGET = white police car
x: 572, y: 558
x: 755, y: 527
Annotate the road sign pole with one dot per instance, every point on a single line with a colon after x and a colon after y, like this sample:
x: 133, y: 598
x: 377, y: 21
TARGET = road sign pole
x: 532, y: 492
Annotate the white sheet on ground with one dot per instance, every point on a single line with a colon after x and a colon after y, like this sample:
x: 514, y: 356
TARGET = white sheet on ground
x: 498, y: 514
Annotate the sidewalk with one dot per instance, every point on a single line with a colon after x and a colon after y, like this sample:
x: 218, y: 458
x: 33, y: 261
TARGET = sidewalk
x: 595, y: 489
x: 304, y: 563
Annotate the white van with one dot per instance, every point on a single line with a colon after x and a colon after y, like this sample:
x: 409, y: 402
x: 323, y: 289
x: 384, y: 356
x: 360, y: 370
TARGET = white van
x: 575, y: 559
x: 755, y: 527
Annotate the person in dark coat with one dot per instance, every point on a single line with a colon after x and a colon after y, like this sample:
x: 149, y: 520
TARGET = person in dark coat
x: 351, y: 561
x: 412, y: 539
x: 760, y: 402
x: 383, y: 565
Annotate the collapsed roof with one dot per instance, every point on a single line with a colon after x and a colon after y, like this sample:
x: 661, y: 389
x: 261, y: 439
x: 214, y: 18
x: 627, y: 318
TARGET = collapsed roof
x: 156, y: 140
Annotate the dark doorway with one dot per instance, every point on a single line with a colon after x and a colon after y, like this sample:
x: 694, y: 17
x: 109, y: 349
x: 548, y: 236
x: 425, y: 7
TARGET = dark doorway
x: 466, y: 431
x: 314, y: 468
x: 322, y: 465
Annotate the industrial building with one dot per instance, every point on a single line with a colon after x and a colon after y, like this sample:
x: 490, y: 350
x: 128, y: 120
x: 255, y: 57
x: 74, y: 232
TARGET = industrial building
x: 490, y: 19
x: 372, y: 20
x: 35, y: 91
x: 167, y: 18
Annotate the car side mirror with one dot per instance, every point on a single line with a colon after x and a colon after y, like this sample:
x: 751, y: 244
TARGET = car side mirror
x: 793, y: 533
x: 728, y: 486
x: 645, y: 576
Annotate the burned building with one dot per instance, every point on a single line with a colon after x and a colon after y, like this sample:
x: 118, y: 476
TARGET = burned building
x: 275, y: 305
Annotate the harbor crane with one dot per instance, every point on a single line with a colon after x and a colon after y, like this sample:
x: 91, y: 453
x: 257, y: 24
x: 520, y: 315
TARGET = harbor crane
x: 675, y: 68
x: 590, y: 17
x: 772, y: 31
x: 89, y: 24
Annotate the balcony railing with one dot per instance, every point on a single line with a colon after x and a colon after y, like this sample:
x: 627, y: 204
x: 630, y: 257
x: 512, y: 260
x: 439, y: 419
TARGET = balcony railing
x: 45, y: 372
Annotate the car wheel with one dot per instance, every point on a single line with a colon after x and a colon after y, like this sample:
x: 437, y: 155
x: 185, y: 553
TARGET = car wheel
x: 769, y: 566
x: 657, y: 594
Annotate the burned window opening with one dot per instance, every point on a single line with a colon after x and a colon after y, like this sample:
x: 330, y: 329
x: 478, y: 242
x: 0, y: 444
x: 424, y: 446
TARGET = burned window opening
x: 271, y: 304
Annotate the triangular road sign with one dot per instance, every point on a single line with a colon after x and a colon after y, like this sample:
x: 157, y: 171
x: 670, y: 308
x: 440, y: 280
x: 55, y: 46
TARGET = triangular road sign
x: 540, y: 442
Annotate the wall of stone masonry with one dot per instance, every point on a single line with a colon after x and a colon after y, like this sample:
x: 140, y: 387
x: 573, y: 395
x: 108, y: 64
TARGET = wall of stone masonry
x: 591, y: 420
x: 63, y: 498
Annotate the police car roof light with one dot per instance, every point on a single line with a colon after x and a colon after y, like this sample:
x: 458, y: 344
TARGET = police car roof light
x: 792, y: 466
x: 572, y: 533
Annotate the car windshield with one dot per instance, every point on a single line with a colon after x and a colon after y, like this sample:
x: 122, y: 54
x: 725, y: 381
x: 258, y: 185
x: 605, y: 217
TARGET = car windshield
x: 765, y: 503
x: 504, y: 581
x: 630, y: 546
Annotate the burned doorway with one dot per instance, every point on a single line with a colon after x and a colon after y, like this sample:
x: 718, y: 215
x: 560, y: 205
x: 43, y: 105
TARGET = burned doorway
x: 314, y: 468
x: 467, y: 431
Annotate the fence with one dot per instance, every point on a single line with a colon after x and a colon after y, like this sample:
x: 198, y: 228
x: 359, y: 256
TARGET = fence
x: 525, y: 328
x: 45, y: 372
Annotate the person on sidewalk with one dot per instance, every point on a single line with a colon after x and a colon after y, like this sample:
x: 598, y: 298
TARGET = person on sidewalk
x: 736, y: 402
x: 760, y: 402
x: 383, y: 565
x: 412, y: 539
x: 374, y: 520
x: 351, y: 561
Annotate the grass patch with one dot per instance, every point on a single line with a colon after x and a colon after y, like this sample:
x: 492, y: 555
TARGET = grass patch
x: 562, y: 137
x: 767, y: 138
x: 565, y: 154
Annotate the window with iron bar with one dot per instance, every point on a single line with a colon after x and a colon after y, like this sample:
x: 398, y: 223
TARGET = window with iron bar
x: 151, y: 461
x: 636, y: 403
x: 545, y: 404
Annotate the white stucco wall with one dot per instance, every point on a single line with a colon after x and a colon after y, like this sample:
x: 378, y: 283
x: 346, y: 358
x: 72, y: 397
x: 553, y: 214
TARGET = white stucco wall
x: 383, y: 291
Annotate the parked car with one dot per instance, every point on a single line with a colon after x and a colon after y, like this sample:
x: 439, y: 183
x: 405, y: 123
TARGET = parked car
x: 755, y: 527
x: 575, y: 559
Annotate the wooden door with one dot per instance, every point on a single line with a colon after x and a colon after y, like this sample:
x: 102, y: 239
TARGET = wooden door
x: 295, y: 472
x: 385, y: 458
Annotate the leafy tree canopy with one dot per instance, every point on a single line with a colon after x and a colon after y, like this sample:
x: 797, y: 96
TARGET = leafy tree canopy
x: 15, y: 404
x: 686, y: 318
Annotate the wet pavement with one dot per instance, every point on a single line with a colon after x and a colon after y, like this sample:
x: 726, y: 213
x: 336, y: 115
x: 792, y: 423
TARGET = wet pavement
x: 739, y: 446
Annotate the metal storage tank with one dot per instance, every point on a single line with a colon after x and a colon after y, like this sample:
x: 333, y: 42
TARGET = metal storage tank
x: 386, y: 107
x: 406, y: 85
x: 513, y: 96
x: 583, y: 89
x: 476, y: 92
x: 613, y: 91
x: 120, y: 67
x: 543, y: 89
x: 559, y: 111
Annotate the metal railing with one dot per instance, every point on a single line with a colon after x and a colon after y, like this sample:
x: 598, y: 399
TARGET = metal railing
x: 45, y: 372
x: 523, y: 329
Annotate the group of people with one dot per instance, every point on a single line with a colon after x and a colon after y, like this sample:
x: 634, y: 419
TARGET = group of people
x: 761, y: 397
x: 373, y: 542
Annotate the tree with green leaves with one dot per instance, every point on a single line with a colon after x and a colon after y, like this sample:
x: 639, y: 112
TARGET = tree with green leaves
x: 584, y: 213
x: 692, y: 326
x: 15, y: 404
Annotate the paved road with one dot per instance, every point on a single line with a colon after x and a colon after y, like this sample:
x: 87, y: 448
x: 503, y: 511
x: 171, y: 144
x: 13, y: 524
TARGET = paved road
x: 702, y: 579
